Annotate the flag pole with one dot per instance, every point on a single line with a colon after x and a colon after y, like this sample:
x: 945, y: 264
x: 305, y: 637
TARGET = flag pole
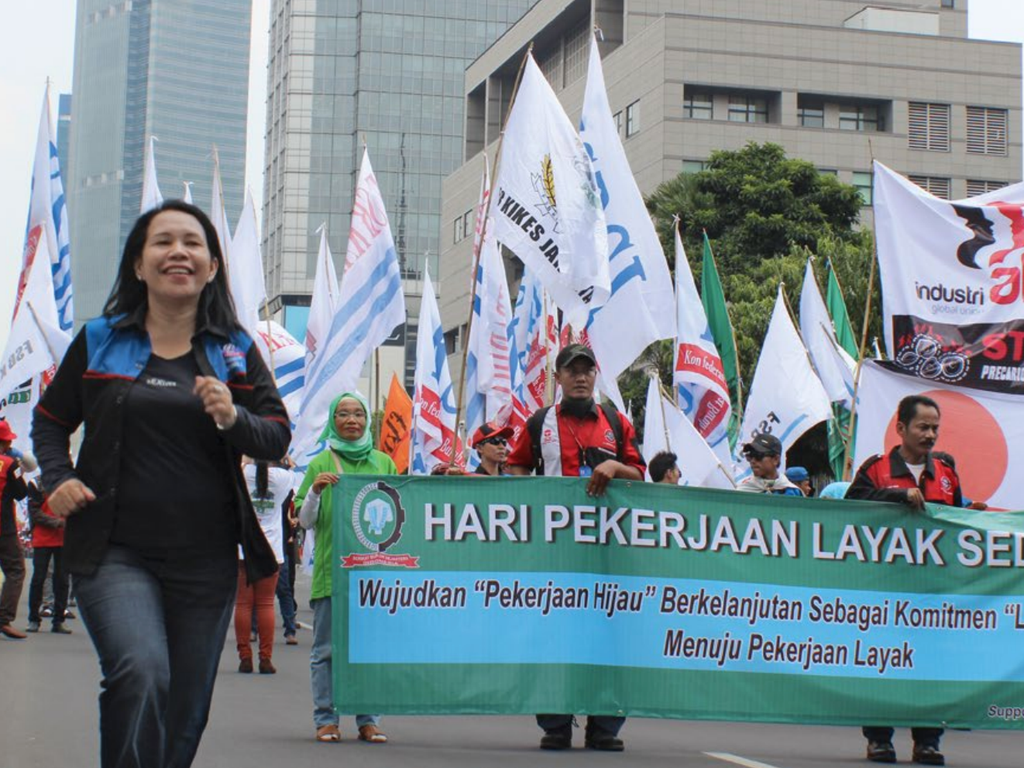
x: 39, y: 326
x: 848, y: 459
x: 653, y: 373
x: 478, y: 244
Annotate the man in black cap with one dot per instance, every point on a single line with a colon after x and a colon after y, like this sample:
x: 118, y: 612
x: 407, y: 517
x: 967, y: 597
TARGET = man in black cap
x: 578, y: 438
x: 764, y: 453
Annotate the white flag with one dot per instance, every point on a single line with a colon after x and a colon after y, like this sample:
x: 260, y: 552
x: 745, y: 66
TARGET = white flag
x: 952, y: 283
x: 187, y: 197
x: 699, y: 377
x: 370, y: 306
x: 35, y: 341
x: 534, y: 334
x: 833, y: 364
x: 641, y: 287
x: 48, y: 212
x: 245, y: 268
x: 151, y: 197
x: 324, y: 302
x: 433, y: 436
x: 786, y: 397
x: 488, y: 372
x: 548, y: 208
x: 218, y: 213
x: 288, y: 356
x: 667, y: 429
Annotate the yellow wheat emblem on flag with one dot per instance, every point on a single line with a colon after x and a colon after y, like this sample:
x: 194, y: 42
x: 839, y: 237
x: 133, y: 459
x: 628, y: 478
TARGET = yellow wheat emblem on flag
x: 548, y: 179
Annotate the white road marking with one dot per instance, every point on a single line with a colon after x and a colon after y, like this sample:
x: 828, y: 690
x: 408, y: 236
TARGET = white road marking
x: 737, y: 760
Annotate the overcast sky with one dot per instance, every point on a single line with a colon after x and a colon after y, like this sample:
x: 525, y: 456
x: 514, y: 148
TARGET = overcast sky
x: 37, y: 42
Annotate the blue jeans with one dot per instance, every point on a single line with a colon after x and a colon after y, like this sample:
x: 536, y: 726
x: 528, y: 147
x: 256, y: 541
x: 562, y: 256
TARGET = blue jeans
x: 321, y: 674
x: 158, y: 626
x: 286, y: 599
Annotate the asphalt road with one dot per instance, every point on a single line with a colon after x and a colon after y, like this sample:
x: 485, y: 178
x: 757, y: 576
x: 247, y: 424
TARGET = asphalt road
x: 49, y: 719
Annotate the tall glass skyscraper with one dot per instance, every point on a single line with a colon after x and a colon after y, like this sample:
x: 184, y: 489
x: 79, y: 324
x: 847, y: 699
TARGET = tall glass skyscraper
x: 174, y: 69
x: 387, y: 72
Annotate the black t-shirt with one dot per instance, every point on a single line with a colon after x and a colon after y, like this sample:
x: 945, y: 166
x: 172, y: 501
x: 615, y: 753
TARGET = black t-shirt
x: 174, y: 490
x: 13, y: 490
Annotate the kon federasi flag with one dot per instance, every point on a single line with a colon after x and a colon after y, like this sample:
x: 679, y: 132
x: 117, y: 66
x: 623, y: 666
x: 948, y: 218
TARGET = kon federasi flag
x: 547, y: 208
x: 35, y: 341
x: 786, y: 397
x: 433, y: 404
x: 370, y: 306
x: 952, y: 283
x: 699, y: 377
x: 488, y: 370
x: 641, y: 287
x: 982, y: 430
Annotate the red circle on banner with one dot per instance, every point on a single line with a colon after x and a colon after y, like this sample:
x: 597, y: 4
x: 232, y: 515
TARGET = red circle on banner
x: 971, y: 434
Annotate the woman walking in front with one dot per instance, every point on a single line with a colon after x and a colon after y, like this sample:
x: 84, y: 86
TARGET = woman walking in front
x: 349, y: 451
x: 172, y: 392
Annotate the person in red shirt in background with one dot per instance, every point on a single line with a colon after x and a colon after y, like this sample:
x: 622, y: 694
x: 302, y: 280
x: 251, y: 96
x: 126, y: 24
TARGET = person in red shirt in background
x: 578, y: 438
x: 12, y: 561
x: 47, y: 544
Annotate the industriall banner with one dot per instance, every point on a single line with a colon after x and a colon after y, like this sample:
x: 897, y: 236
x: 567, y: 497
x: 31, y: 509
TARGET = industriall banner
x: 498, y: 595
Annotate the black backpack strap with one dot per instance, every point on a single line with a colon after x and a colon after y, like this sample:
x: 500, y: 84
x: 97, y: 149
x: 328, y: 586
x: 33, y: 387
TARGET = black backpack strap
x: 611, y: 415
x: 534, y: 425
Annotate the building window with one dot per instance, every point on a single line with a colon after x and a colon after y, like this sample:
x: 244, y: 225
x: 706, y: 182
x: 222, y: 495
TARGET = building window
x: 618, y: 122
x: 862, y: 181
x: 694, y: 166
x: 698, y: 106
x: 948, y: 4
x: 451, y: 341
x: 828, y: 171
x: 459, y: 230
x: 938, y: 186
x: 928, y: 126
x: 467, y: 223
x: 811, y: 112
x: 860, y: 117
x: 986, y: 131
x: 977, y: 187
x: 632, y: 119
x: 748, y: 109
x: 577, y: 49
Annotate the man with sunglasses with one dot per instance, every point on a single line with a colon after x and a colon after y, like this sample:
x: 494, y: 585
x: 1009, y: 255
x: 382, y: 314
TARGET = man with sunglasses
x: 491, y: 445
x: 764, y: 454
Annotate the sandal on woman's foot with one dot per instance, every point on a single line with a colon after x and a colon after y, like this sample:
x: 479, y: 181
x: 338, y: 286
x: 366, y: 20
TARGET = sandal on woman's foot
x: 328, y: 733
x: 372, y: 734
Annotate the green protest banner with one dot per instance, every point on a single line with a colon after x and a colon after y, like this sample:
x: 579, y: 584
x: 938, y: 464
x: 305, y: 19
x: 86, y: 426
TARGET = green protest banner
x: 502, y: 595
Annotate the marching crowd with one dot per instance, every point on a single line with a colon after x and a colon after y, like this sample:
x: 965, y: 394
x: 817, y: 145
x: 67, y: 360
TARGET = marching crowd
x: 168, y: 387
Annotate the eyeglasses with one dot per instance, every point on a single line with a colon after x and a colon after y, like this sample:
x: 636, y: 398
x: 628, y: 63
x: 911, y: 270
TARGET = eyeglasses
x: 501, y: 442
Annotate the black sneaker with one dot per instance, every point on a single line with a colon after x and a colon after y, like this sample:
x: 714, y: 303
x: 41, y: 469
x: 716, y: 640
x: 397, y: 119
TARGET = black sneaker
x: 557, y: 738
x: 881, y: 752
x: 926, y: 754
x: 603, y: 741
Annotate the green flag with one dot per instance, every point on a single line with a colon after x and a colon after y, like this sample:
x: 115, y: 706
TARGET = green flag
x: 840, y: 318
x: 713, y: 299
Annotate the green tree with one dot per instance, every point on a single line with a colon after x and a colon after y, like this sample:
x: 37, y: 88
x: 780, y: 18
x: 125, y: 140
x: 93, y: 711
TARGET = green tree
x: 764, y: 214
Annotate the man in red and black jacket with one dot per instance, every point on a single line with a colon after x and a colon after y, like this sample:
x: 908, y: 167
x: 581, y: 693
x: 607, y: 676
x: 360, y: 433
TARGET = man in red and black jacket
x: 912, y: 474
x: 12, y: 561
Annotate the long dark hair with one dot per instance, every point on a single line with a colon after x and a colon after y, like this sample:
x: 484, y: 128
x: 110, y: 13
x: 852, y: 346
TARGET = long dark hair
x: 129, y: 294
x: 262, y: 479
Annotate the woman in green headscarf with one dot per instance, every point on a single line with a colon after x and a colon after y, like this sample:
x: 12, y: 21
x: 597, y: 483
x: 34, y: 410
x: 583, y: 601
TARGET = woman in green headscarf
x: 349, y: 451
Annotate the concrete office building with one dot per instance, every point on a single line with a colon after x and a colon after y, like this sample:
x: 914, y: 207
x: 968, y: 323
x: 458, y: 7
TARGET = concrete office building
x: 174, y: 69
x: 387, y: 73
x: 829, y: 80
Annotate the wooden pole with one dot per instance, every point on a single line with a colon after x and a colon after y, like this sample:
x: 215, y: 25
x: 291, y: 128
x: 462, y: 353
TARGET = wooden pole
x: 478, y: 245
